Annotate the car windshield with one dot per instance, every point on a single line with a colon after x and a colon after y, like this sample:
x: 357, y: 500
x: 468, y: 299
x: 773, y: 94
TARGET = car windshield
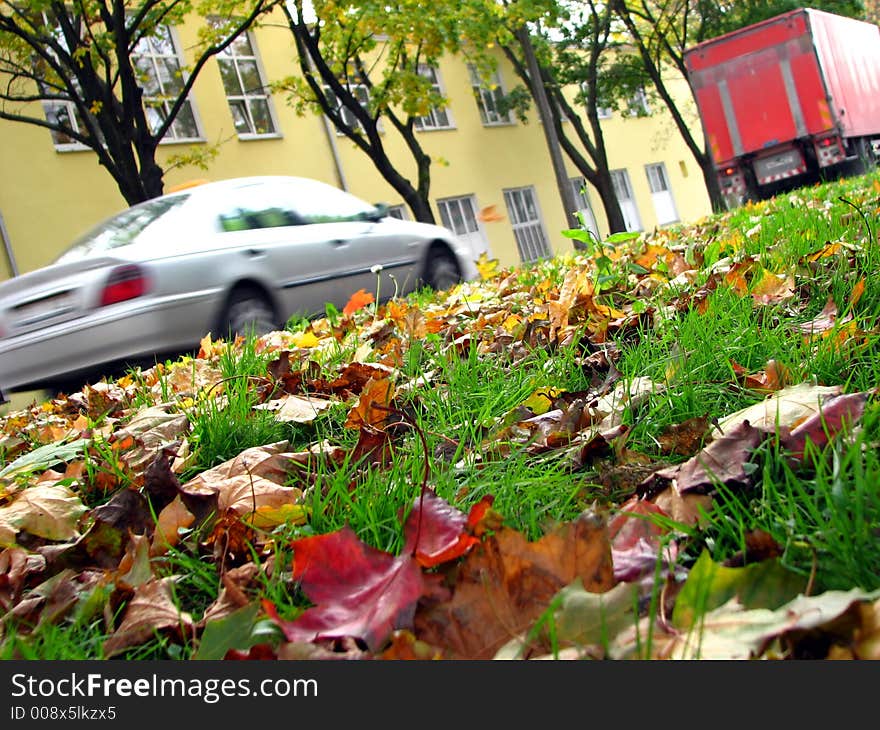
x: 121, y: 229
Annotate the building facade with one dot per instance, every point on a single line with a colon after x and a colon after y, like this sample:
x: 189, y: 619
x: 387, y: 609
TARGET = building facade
x: 482, y: 160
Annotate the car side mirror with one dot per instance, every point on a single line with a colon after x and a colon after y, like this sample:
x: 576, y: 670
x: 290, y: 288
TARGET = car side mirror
x: 380, y: 212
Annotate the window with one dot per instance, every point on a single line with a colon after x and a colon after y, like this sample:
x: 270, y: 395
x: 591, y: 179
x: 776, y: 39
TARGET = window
x: 658, y: 182
x: 522, y: 209
x: 625, y: 198
x: 362, y: 94
x: 460, y: 216
x: 585, y: 209
x: 489, y: 98
x: 66, y: 114
x: 436, y: 118
x: 638, y: 104
x: 398, y: 211
x: 158, y: 65
x: 245, y: 88
x: 62, y: 112
x: 603, y: 112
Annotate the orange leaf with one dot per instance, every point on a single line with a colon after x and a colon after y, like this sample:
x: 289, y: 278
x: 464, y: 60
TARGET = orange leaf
x: 360, y: 299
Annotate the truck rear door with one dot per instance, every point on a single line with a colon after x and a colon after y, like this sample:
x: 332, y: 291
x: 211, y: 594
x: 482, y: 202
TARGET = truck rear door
x: 759, y: 87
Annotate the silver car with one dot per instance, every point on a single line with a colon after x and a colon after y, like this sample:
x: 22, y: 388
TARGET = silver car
x: 223, y: 257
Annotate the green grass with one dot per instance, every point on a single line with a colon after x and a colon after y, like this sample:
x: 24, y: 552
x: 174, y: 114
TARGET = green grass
x: 460, y: 437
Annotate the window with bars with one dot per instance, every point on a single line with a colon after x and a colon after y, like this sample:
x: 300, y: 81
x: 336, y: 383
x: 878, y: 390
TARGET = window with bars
x: 160, y: 75
x: 437, y: 117
x: 528, y: 228
x: 489, y: 98
x: 245, y: 88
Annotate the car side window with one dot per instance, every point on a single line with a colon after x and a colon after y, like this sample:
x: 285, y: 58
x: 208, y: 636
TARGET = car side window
x: 326, y: 204
x: 251, y: 208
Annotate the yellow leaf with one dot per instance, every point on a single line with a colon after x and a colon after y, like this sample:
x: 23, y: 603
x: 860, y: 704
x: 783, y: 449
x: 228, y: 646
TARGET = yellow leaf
x: 270, y: 516
x: 857, y: 292
x: 486, y: 266
x: 541, y: 400
x: 512, y: 322
x: 306, y: 339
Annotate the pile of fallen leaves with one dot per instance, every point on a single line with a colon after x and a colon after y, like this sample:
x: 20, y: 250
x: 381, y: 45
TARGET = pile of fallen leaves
x: 78, y: 539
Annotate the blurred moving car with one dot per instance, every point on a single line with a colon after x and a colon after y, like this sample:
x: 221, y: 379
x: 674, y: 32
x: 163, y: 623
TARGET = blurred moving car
x: 226, y: 257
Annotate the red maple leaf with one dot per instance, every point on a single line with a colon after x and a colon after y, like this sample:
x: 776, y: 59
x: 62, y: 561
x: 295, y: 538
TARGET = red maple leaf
x: 436, y: 532
x: 366, y: 593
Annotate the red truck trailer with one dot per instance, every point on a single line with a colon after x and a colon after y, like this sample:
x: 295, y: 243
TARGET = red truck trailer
x: 788, y: 100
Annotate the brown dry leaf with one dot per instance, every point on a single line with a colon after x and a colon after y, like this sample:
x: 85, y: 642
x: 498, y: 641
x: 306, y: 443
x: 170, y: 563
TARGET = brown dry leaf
x: 822, y: 322
x: 722, y: 461
x: 786, y: 407
x: 376, y: 392
x: 252, y: 480
x: 173, y: 517
x: 772, y: 288
x: 16, y: 565
x: 688, y: 509
x: 685, y: 438
x: 151, y: 609
x: 46, y: 510
x: 507, y: 582
x: 296, y: 408
x: 232, y: 596
x: 150, y: 429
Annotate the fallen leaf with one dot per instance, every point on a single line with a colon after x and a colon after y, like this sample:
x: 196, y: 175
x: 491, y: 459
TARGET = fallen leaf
x: 506, y: 582
x: 51, y: 511
x: 359, y: 591
x: 360, y: 299
x: 152, y: 609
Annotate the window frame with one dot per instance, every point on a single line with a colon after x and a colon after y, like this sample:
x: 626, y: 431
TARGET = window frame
x: 229, y: 54
x: 358, y: 90
x: 433, y: 74
x: 178, y: 57
x: 482, y: 93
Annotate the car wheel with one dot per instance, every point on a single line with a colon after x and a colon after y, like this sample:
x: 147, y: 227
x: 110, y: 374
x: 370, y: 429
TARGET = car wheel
x: 441, y: 271
x: 248, y: 312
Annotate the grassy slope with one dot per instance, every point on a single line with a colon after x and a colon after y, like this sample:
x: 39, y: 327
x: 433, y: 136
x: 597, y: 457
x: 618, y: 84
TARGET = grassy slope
x: 711, y: 314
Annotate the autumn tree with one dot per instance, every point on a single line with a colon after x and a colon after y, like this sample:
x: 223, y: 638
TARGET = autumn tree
x: 661, y: 31
x: 368, y: 66
x: 84, y: 71
x: 582, y: 55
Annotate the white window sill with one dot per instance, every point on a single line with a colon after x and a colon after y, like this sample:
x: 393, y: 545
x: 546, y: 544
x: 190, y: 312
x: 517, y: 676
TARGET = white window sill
x: 257, y: 137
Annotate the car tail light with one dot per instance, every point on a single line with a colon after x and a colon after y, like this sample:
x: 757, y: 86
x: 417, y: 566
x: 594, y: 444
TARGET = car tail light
x: 124, y: 282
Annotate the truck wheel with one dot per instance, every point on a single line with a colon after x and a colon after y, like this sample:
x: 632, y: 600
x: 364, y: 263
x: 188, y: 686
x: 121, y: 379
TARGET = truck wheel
x: 865, y: 151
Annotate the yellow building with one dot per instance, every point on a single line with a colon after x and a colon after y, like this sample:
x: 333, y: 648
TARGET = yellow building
x: 50, y: 191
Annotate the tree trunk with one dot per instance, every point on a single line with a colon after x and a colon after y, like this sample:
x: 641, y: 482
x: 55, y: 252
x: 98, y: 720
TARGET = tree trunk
x: 539, y: 93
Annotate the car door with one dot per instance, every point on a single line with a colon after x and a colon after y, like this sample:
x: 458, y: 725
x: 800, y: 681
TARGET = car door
x: 354, y: 246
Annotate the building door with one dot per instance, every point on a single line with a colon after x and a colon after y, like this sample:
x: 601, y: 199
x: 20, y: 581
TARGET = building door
x: 625, y: 198
x: 664, y: 205
x: 460, y: 216
x: 585, y: 208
